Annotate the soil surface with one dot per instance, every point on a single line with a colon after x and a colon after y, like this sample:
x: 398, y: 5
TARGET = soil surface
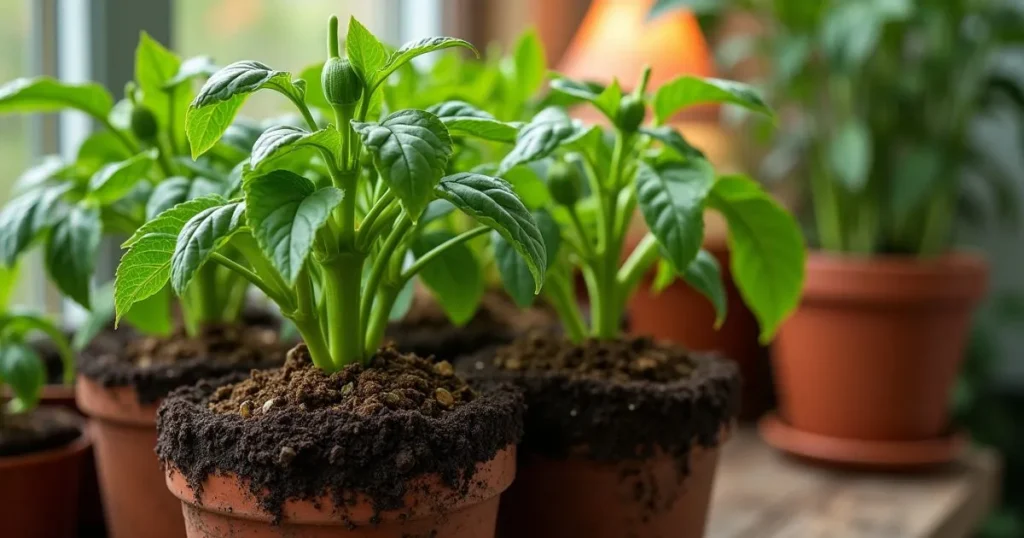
x: 38, y: 430
x: 298, y: 433
x: 427, y: 332
x: 154, y: 366
x: 614, y: 401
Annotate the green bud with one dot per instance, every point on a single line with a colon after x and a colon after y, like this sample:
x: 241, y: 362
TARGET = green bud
x: 564, y: 183
x: 143, y: 123
x: 341, y: 83
x: 631, y: 113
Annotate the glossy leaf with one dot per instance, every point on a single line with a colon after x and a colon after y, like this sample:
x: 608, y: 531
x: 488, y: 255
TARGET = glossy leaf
x: 548, y: 129
x: 115, y: 180
x: 314, y: 89
x: 171, y: 221
x: 44, y: 94
x: 463, y: 119
x: 454, y: 276
x: 281, y: 141
x: 23, y: 371
x: 413, y: 49
x: 173, y: 191
x: 687, y: 91
x: 203, y: 234
x: 672, y: 199
x: 23, y: 218
x: 367, y: 54
x: 143, y: 271
x: 48, y: 167
x: 155, y: 66
x: 605, y: 99
x: 512, y: 268
x: 705, y: 275
x: 673, y: 139
x: 71, y: 252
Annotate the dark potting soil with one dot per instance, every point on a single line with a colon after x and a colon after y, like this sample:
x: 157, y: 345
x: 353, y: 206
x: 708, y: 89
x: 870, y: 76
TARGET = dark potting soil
x: 154, y: 366
x: 614, y: 401
x: 38, y: 430
x: 426, y: 331
x: 298, y: 433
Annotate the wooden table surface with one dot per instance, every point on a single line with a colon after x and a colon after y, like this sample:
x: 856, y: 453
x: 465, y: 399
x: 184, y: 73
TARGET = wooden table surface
x: 760, y: 493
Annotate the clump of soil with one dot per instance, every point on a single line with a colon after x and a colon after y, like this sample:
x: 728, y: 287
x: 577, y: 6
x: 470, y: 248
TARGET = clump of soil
x: 363, y: 430
x: 614, y: 401
x: 156, y: 365
x: 426, y: 331
x: 391, y: 381
x: 38, y: 430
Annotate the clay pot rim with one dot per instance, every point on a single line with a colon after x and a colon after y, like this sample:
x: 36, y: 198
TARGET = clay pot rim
x: 892, y: 264
x: 77, y: 446
x: 119, y: 404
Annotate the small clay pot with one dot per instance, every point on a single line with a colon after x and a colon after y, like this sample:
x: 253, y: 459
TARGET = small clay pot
x: 682, y: 315
x: 609, y: 500
x: 874, y: 349
x: 226, y: 507
x: 134, y: 497
x: 39, y: 491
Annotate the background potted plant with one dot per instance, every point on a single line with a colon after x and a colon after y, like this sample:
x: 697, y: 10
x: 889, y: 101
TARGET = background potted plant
x: 879, y: 100
x: 42, y: 449
x: 423, y: 453
x: 134, y: 168
x: 621, y: 432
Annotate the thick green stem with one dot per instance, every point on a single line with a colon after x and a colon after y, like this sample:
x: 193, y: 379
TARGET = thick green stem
x: 342, y: 281
x: 313, y: 337
x: 607, y: 315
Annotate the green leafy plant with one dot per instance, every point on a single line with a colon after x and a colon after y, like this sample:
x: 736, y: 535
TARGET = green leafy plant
x: 21, y: 369
x: 335, y: 252
x: 598, y: 176
x: 880, y: 97
x: 137, y: 166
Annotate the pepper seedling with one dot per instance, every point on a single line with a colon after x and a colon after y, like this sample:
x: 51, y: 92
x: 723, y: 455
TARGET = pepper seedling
x: 598, y: 176
x: 137, y: 166
x: 333, y: 254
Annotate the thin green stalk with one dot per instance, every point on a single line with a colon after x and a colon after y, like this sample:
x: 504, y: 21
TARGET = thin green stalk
x: 377, y: 272
x: 342, y: 281
x: 253, y: 278
x: 640, y: 261
x: 366, y: 236
x: 937, y: 225
x: 385, y: 201
x: 172, y: 143
x: 560, y: 294
x: 312, y: 336
x: 379, y: 317
x: 577, y: 225
x: 597, y: 189
x: 826, y: 211
x: 422, y: 261
x: 606, y: 314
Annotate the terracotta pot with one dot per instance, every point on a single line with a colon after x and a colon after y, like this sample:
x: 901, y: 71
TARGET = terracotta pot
x: 682, y: 315
x: 580, y: 497
x: 39, y: 492
x: 134, y: 498
x: 875, y: 346
x: 227, y: 508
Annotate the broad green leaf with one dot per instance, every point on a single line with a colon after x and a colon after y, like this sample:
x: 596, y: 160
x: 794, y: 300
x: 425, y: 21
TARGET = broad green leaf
x: 190, y: 69
x: 285, y: 211
x: 673, y: 140
x: 101, y: 148
x: 605, y: 99
x: 20, y: 326
x: 463, y: 119
x: 705, y: 276
x: 687, y: 91
x: 545, y: 132
x: 512, y: 268
x: 458, y: 109
x: 155, y: 66
x: 850, y: 155
x: 23, y: 218
x: 366, y: 53
x: 173, y: 191
x: 171, y: 221
x: 436, y: 209
x: 766, y: 247
x: 200, y: 237
x: 530, y: 63
x: 671, y: 199
x: 71, y: 252
x: 143, y: 271
x: 218, y: 101
x: 278, y: 142
x: 115, y: 180
x: 413, y: 49
x: 493, y: 203
x: 44, y: 94
x: 410, y: 150
x: 22, y: 370
x: 608, y: 101
x: 150, y: 316
x: 454, y: 276
x: 530, y: 188
x: 49, y: 167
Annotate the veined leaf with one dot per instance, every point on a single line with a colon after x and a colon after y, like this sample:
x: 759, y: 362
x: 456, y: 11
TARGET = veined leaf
x: 22, y: 370
x: 410, y: 150
x: 413, y: 49
x: 143, y: 271
x: 512, y: 268
x: 687, y: 91
x: 44, y: 94
x: 155, y: 66
x: 285, y: 211
x: 605, y: 99
x: 671, y: 199
x: 493, y: 203
x: 673, y: 140
x: 171, y: 221
x: 23, y: 218
x: 548, y: 129
x: 115, y: 180
x: 71, y: 252
x: 454, y: 276
x: 278, y: 142
x: 203, y: 234
x: 463, y: 119
x: 705, y: 275
x: 367, y: 54
x: 173, y: 191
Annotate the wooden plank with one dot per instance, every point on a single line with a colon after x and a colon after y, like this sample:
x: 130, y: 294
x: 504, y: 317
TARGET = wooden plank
x: 760, y: 493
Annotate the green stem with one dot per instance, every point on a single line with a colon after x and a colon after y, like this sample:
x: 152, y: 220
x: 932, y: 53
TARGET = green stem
x: 585, y: 243
x: 132, y: 147
x: 384, y: 202
x: 606, y: 314
x: 343, y: 292
x: 313, y: 337
x: 171, y: 135
x: 422, y: 261
x: 366, y: 236
x: 381, y: 263
x: 255, y: 279
x: 636, y: 266
x: 379, y: 317
x: 826, y: 211
x: 559, y: 292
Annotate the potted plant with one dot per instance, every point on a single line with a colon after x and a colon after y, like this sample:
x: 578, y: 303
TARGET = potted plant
x: 622, y: 433
x: 134, y: 168
x: 42, y: 449
x: 880, y: 99
x: 347, y: 437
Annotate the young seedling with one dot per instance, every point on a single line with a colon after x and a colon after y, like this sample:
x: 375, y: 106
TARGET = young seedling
x: 335, y: 253
x: 598, y: 176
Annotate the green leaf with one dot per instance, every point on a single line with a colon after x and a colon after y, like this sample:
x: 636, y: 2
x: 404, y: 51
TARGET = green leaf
x: 493, y: 203
x: 314, y: 89
x: 115, y: 180
x: 687, y: 91
x: 453, y: 275
x: 671, y: 199
x: 171, y: 221
x: 285, y: 212
x: 463, y: 119
x: 664, y: 276
x: 23, y: 218
x: 192, y: 68
x: 545, y: 132
x: 530, y: 188
x: 200, y: 237
x: 705, y: 276
x: 410, y: 150
x: 49, y: 167
x: 8, y: 280
x: 102, y: 147
x: 403, y: 301
x: 767, y: 250
x: 367, y: 54
x: 673, y: 140
x: 23, y: 370
x: 150, y: 316
x: 512, y: 268
x: 214, y: 108
x: 917, y: 173
x: 530, y: 64
x: 605, y: 99
x: 173, y: 191
x: 44, y: 94
x: 155, y: 66
x: 71, y: 252
x: 278, y: 142
x: 413, y: 49
x: 850, y: 155
x: 143, y: 271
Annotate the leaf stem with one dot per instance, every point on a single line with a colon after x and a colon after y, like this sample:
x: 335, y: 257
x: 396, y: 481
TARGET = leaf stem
x: 379, y: 315
x: 635, y: 267
x: 425, y: 259
x: 381, y: 263
x: 251, y: 276
x: 559, y: 292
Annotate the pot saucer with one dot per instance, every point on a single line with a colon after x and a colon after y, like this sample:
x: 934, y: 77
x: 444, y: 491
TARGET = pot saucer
x: 882, y: 455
